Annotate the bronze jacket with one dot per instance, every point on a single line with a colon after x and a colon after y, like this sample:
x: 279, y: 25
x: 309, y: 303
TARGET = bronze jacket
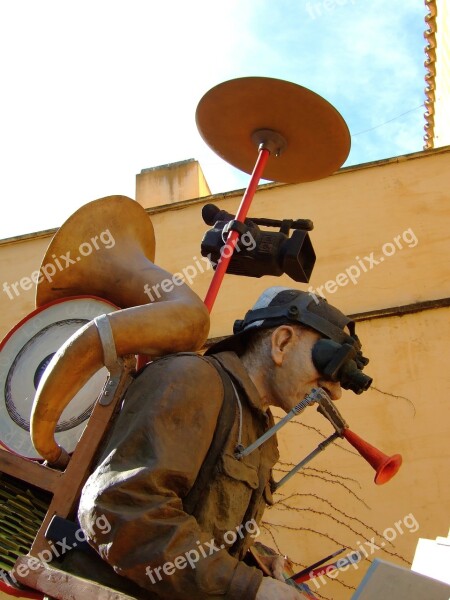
x: 131, y: 508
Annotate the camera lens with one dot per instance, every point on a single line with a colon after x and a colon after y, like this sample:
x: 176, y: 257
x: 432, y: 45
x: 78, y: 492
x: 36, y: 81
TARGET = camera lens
x: 336, y: 362
x: 353, y: 379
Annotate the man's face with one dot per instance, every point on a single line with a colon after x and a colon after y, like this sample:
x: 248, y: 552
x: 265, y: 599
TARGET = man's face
x: 294, y: 374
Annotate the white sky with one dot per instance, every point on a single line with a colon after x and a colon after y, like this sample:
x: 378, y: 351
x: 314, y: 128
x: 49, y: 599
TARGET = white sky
x: 93, y: 91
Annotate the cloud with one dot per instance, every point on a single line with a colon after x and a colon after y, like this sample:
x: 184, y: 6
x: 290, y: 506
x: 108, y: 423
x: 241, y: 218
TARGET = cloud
x: 366, y: 58
x: 96, y: 90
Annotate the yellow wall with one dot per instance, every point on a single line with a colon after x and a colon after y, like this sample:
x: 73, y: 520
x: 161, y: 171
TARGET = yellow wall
x: 333, y: 503
x: 171, y: 183
x: 19, y: 258
x: 356, y: 212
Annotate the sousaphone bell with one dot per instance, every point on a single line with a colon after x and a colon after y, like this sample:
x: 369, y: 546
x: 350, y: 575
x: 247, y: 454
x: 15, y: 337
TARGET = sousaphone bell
x: 176, y: 321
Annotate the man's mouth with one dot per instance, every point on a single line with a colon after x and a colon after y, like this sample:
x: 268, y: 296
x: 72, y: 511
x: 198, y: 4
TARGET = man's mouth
x: 326, y: 390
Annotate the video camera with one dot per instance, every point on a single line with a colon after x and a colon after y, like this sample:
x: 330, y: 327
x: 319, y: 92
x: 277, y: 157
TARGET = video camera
x: 259, y: 252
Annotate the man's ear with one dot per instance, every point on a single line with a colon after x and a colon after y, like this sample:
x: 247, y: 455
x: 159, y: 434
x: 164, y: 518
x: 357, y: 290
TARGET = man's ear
x: 281, y: 339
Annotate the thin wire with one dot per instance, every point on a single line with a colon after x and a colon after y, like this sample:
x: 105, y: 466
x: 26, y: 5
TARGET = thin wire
x: 240, y: 414
x: 386, y: 122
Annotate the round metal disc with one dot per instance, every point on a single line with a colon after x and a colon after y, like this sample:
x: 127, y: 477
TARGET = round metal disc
x: 25, y: 354
x: 317, y: 137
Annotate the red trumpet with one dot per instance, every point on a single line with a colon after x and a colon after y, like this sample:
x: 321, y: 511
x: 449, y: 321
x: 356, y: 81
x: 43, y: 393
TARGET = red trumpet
x: 385, y: 466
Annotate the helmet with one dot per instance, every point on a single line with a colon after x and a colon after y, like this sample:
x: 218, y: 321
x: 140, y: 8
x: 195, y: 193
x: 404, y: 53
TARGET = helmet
x: 337, y: 356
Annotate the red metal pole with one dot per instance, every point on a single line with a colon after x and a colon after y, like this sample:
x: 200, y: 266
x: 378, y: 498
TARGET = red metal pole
x: 241, y: 215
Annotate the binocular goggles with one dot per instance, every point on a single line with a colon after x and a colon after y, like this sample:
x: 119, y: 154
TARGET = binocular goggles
x: 343, y: 363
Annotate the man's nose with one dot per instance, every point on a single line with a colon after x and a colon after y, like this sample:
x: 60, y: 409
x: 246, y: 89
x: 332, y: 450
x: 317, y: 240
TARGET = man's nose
x: 333, y: 387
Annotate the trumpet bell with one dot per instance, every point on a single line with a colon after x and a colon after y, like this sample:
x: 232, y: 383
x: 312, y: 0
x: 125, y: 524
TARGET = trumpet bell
x: 385, y: 466
x: 105, y: 249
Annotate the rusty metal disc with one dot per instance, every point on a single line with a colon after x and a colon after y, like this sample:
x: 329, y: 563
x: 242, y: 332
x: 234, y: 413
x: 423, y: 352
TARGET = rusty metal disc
x: 317, y: 137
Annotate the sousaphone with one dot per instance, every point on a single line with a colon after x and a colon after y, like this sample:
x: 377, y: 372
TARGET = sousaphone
x: 119, y: 271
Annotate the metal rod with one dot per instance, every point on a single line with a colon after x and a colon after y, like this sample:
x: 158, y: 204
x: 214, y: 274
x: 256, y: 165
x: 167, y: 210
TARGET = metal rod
x: 232, y: 238
x: 306, y: 460
x: 314, y: 396
x: 305, y: 224
x: 303, y: 574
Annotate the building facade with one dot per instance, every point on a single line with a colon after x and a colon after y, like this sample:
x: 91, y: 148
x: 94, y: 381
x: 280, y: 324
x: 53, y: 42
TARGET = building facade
x: 382, y: 255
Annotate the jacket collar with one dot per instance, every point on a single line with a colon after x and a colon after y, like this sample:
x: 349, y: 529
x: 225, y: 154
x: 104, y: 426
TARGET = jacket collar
x: 235, y: 368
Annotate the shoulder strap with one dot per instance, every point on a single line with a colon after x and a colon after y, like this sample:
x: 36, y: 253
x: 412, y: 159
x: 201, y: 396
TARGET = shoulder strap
x: 223, y: 428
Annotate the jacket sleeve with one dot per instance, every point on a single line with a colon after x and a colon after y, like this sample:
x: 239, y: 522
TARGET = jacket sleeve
x: 131, y: 507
